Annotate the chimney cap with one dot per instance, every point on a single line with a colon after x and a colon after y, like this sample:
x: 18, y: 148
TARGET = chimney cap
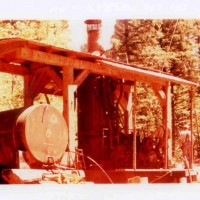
x: 93, y: 21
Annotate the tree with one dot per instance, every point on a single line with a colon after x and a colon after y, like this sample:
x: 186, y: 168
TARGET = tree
x: 180, y: 40
x: 168, y: 45
x: 137, y: 41
x: 52, y: 32
x: 184, y: 45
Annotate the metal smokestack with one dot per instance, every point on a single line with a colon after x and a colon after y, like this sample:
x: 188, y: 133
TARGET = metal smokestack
x: 93, y: 31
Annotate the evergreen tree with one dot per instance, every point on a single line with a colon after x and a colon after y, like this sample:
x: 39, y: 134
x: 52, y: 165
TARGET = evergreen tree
x: 168, y: 45
x: 52, y: 32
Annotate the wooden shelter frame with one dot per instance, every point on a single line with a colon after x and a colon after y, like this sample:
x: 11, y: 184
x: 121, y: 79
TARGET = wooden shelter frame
x: 52, y: 70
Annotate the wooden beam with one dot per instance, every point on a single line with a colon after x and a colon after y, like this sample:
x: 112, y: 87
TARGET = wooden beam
x: 129, y: 73
x: 159, y: 93
x: 35, y: 81
x: 98, y: 67
x: 38, y: 82
x: 125, y: 100
x: 134, y: 126
x: 68, y: 79
x: 129, y: 89
x: 167, y: 122
x: 8, y: 46
x: 42, y: 57
x: 122, y: 101
x: 191, y: 124
x: 54, y: 76
x: 69, y: 110
x: 13, y: 69
x: 43, y: 81
x: 81, y: 77
x: 28, y: 100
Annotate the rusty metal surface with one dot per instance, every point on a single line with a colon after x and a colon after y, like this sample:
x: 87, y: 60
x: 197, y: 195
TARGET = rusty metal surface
x: 41, y: 130
x: 8, y: 156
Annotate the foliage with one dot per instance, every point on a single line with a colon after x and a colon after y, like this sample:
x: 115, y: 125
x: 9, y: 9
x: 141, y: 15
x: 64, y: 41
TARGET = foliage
x: 11, y: 96
x: 52, y: 32
x: 139, y: 39
x: 167, y: 45
x: 149, y: 114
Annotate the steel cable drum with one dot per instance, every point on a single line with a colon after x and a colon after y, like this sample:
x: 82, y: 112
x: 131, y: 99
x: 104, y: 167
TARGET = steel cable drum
x: 42, y: 131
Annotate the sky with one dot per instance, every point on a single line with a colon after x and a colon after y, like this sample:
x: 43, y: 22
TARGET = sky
x: 76, y: 11
x: 109, y: 9
x: 79, y: 33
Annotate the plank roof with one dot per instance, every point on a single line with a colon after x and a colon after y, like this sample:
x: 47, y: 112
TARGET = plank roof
x: 17, y: 55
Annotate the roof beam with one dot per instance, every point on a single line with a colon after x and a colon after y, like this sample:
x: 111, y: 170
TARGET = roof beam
x: 100, y: 67
x: 8, y: 46
x: 42, y: 57
x: 159, y: 93
x: 52, y: 74
x: 81, y: 77
x: 13, y: 69
x: 146, y: 75
x: 38, y: 82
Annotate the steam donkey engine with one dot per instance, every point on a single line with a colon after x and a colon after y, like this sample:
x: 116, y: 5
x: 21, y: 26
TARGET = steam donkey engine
x: 39, y: 132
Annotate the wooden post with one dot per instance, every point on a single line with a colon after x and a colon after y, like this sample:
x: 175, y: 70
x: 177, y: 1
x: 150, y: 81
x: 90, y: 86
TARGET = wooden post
x: 129, y: 110
x: 167, y: 122
x: 69, y: 111
x: 28, y: 100
x: 68, y: 79
x: 126, y: 101
x: 173, y: 135
x: 191, y: 125
x: 72, y: 124
x: 134, y: 126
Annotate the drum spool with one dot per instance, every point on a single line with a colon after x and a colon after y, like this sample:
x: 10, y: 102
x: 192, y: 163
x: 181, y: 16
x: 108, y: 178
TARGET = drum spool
x: 41, y: 131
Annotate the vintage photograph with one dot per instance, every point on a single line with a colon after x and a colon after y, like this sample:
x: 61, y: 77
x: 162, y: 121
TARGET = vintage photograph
x: 100, y: 101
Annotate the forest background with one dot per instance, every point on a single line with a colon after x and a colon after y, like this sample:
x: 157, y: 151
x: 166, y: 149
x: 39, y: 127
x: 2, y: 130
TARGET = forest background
x: 167, y: 45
